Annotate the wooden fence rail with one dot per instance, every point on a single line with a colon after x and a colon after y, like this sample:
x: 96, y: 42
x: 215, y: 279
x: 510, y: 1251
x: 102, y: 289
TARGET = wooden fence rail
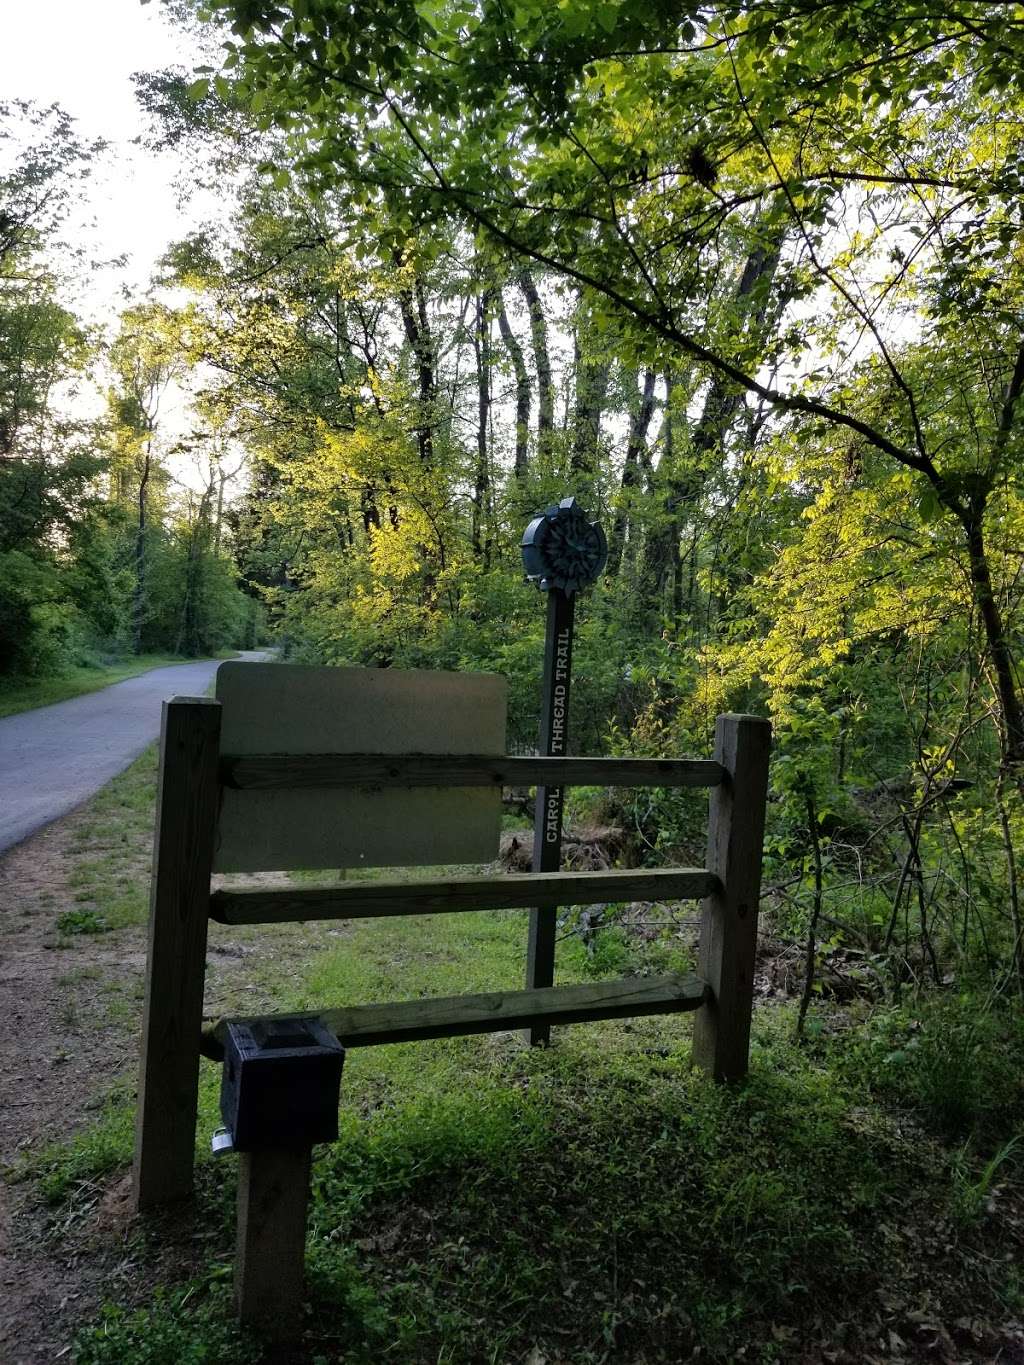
x: 200, y: 773
x: 287, y: 772
x: 408, y: 1021
x: 369, y: 900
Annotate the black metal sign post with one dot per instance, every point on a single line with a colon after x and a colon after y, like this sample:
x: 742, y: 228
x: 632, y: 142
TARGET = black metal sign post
x: 547, y: 821
x: 562, y: 552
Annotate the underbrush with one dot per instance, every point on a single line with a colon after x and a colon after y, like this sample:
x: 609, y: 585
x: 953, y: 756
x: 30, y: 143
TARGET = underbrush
x: 956, y: 1060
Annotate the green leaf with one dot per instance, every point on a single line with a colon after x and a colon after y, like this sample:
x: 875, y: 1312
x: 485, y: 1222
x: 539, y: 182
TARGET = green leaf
x: 928, y: 506
x: 608, y: 17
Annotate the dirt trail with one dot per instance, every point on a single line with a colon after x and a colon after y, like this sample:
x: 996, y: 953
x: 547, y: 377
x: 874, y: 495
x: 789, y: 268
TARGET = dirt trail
x: 71, y: 1010
x: 60, y: 1051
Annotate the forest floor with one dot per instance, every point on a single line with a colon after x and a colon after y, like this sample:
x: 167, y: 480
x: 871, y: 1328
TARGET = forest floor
x: 595, y: 1202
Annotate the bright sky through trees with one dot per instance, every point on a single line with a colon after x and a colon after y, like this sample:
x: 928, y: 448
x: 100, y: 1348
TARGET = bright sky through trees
x: 81, y: 56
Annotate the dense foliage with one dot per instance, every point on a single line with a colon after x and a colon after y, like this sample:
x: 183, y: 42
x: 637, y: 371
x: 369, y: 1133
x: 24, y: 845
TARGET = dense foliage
x: 98, y: 552
x: 747, y: 280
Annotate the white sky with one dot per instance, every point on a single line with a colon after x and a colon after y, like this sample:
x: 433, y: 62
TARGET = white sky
x: 81, y: 54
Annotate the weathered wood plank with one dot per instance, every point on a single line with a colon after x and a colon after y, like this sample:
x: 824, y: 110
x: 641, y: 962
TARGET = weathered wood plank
x: 410, y: 1020
x: 299, y: 711
x: 186, y: 818
x: 273, y: 772
x: 368, y: 900
x: 728, y: 937
x: 273, y: 1195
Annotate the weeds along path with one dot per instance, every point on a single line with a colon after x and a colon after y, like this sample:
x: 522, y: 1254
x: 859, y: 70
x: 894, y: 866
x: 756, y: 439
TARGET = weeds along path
x: 63, y: 1045
x: 72, y: 954
x: 73, y: 907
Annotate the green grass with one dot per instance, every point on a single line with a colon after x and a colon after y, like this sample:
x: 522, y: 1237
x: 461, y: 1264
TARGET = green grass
x: 25, y: 694
x: 177, y: 1330
x: 111, y: 843
x: 67, y: 1171
x: 598, y: 1201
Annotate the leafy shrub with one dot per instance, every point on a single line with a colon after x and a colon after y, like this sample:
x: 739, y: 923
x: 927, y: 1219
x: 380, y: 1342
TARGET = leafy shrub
x: 166, y: 1334
x: 34, y: 627
x: 955, y: 1059
x: 82, y: 922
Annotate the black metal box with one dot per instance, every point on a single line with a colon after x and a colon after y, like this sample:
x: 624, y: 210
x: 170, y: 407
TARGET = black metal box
x: 281, y: 1083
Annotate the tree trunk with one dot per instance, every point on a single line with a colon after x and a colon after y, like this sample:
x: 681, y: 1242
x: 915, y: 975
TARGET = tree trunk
x: 542, y: 364
x: 481, y: 491
x: 680, y: 488
x: 643, y: 411
x: 413, y: 306
x: 139, y: 591
x: 222, y: 479
x: 591, y: 391
x: 190, y: 635
x: 1000, y: 656
x: 523, y: 396
x: 368, y: 508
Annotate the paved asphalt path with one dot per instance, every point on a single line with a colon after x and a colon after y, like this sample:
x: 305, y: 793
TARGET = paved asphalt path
x: 54, y: 758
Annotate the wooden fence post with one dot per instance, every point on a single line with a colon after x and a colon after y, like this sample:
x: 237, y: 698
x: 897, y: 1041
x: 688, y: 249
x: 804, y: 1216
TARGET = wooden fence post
x: 186, y: 821
x: 728, y: 939
x: 273, y: 1195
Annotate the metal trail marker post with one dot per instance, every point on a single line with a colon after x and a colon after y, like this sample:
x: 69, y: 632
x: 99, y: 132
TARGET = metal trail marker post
x: 562, y: 552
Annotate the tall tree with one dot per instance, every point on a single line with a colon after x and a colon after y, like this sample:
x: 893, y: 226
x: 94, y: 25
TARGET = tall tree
x: 523, y: 392
x: 592, y: 371
x: 482, y: 483
x: 685, y: 466
x: 615, y: 146
x: 542, y: 364
x: 144, y: 360
x: 48, y: 463
x: 642, y: 411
